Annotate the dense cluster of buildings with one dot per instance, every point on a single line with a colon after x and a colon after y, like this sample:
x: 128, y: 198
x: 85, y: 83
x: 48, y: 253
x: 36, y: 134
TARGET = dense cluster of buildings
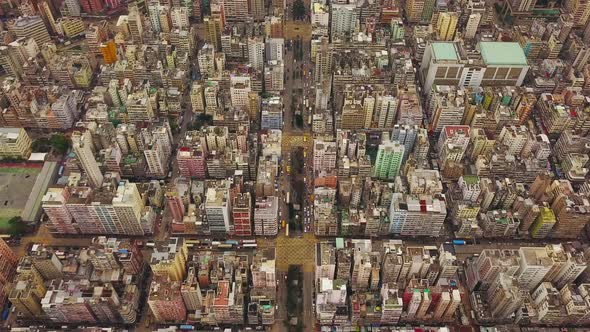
x: 104, y: 284
x: 364, y: 282
x: 439, y: 120
x: 530, y: 285
x: 211, y: 288
x: 79, y: 286
x: 393, y: 282
x: 469, y: 106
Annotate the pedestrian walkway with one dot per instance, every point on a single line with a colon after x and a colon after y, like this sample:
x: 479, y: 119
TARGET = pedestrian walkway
x: 296, y: 251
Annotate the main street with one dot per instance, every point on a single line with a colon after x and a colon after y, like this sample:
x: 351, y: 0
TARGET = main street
x: 297, y: 249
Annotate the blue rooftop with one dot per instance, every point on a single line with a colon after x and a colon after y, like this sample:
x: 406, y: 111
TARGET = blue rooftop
x: 502, y: 53
x: 444, y: 51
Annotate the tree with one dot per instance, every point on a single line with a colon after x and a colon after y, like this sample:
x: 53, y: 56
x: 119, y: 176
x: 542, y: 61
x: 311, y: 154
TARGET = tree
x: 16, y: 226
x: 207, y: 118
x: 41, y: 145
x: 201, y: 120
x: 60, y: 143
x: 299, y: 9
x: 173, y: 124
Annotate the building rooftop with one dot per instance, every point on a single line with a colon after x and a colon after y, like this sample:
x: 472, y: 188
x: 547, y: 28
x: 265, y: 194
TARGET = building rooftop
x: 471, y: 179
x: 502, y: 53
x: 10, y: 133
x: 445, y: 51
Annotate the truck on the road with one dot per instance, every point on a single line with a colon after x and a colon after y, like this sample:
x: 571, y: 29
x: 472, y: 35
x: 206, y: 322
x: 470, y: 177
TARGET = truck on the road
x: 459, y: 242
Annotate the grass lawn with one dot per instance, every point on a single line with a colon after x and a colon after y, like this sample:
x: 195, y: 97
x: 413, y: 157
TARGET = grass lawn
x: 4, y: 223
x: 20, y: 170
x: 5, y: 215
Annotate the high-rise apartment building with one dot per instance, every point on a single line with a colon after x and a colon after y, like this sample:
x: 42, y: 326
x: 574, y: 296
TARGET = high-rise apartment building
x: 175, y: 205
x: 60, y: 219
x: 109, y: 210
x: 274, y: 49
x: 242, y: 214
x: 217, y: 210
x: 256, y: 52
x: 129, y: 207
x: 197, y: 96
x: 422, y: 146
x: 190, y: 290
x: 8, y: 260
x: 11, y: 60
x: 504, y: 296
x: 344, y: 19
x: 419, y: 10
x: 134, y: 20
x: 389, y: 160
x: 514, y: 138
x: 392, y: 305
x: 446, y: 107
x: 169, y: 259
x: 179, y: 17
x: 386, y: 111
x: 27, y: 291
x: 412, y: 215
x: 157, y: 153
x: 191, y: 161
x: 95, y: 35
x: 535, y: 263
x: 543, y: 223
x: 83, y: 148
x: 323, y: 61
x: 213, y: 29
x: 239, y: 89
x: 92, y: 6
x: 274, y: 76
x: 65, y: 110
x: 257, y: 9
x: 206, y: 60
x: 235, y: 10
x: 472, y: 25
x: 109, y: 52
x: 572, y: 213
x: 324, y: 156
x: 166, y: 303
x: 406, y: 135
x: 266, y: 215
x: 30, y: 27
x: 517, y: 7
x: 446, y: 25
x: 14, y: 143
x: 452, y: 143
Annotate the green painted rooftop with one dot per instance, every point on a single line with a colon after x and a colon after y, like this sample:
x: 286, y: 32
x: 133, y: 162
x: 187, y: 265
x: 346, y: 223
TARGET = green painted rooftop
x: 471, y: 179
x: 444, y: 51
x: 502, y: 53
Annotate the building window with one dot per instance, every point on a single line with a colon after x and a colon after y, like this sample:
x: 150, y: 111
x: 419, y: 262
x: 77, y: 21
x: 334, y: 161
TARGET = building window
x: 441, y: 72
x: 501, y: 73
x: 452, y: 73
